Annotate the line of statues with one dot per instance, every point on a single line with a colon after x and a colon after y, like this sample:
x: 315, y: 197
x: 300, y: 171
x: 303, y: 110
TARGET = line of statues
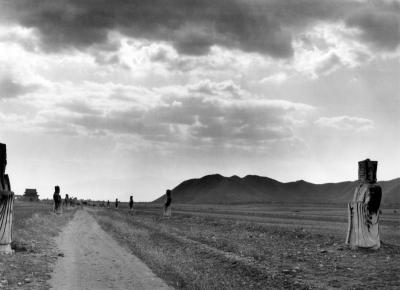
x: 363, y: 211
x: 166, y: 206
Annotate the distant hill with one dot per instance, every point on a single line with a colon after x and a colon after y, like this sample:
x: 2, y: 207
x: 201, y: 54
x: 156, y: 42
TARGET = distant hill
x: 217, y: 189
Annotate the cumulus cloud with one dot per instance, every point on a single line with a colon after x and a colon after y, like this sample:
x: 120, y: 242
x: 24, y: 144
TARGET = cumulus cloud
x: 266, y: 27
x: 202, y: 113
x: 10, y: 88
x: 345, y: 123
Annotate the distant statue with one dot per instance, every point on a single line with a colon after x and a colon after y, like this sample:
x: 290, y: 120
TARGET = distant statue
x: 167, y: 204
x: 363, y: 210
x: 6, y: 205
x: 57, y: 200
x: 131, y: 203
x: 66, y: 200
x: 116, y: 203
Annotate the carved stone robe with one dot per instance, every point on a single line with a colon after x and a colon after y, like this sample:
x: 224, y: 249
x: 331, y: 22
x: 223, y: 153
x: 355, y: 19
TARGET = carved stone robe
x: 6, y: 216
x: 363, y: 210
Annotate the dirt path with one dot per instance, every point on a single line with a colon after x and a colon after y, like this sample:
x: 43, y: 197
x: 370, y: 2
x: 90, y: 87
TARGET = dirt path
x: 94, y: 260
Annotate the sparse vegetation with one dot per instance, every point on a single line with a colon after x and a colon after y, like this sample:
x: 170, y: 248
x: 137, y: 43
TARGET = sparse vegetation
x: 34, y: 227
x: 255, y: 247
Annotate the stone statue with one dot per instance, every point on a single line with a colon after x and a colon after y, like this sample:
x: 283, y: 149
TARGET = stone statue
x: 167, y: 204
x: 6, y: 205
x: 131, y: 203
x: 57, y: 200
x: 66, y: 200
x: 363, y: 210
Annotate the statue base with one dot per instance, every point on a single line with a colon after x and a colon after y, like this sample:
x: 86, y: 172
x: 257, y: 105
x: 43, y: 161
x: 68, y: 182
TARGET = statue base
x: 6, y: 250
x: 167, y: 212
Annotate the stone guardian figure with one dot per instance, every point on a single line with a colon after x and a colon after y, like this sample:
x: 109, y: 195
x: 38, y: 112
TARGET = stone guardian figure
x: 6, y: 205
x: 57, y: 200
x: 66, y: 201
x: 131, y: 204
x: 167, y: 204
x: 363, y: 210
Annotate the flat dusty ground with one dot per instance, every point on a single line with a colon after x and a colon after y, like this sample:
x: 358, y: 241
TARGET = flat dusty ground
x: 275, y: 246
x: 94, y: 260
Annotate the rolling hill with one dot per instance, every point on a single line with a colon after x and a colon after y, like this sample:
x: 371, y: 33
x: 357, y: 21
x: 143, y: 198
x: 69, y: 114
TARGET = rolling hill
x: 217, y: 189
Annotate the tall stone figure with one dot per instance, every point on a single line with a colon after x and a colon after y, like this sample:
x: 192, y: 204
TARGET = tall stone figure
x: 57, y: 200
x: 66, y: 201
x: 6, y: 205
x: 167, y: 204
x: 363, y: 210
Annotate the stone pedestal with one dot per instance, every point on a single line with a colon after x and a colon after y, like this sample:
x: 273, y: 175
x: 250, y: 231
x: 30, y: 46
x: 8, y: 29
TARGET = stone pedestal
x: 363, y: 210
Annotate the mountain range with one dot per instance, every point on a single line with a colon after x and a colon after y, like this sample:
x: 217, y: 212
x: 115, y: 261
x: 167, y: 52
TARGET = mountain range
x: 218, y: 189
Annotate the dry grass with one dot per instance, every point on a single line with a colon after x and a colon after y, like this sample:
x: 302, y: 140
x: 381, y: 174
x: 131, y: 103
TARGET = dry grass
x: 223, y: 248
x: 34, y: 227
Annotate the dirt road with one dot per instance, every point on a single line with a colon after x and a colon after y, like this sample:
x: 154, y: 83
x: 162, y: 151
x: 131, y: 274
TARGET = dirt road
x: 94, y: 260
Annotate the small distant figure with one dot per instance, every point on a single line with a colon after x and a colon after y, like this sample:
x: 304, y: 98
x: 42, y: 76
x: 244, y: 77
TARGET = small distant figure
x: 108, y: 204
x: 57, y: 200
x: 167, y: 204
x: 66, y: 200
x: 116, y: 203
x: 131, y: 204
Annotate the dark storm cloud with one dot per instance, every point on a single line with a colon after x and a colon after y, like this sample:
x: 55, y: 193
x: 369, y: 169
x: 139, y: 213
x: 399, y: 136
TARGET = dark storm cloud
x: 192, y: 26
x: 9, y: 88
x: 381, y: 28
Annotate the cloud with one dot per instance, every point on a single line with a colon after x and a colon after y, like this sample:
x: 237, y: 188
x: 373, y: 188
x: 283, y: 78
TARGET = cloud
x: 80, y: 107
x: 201, y: 113
x: 275, y: 78
x: 9, y: 88
x: 328, y: 64
x: 345, y: 123
x: 381, y: 28
x: 193, y: 27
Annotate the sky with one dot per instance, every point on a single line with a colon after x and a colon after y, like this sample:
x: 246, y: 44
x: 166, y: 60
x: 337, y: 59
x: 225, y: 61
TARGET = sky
x: 109, y: 99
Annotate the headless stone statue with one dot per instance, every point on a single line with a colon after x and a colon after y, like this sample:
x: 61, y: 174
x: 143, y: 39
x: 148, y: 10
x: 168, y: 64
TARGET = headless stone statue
x: 57, y: 200
x: 363, y: 210
x: 6, y: 205
x: 167, y: 204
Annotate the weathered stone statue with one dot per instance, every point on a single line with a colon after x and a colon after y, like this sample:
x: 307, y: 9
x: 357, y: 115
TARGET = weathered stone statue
x: 131, y: 203
x: 66, y: 200
x: 57, y: 200
x: 6, y: 205
x: 363, y: 210
x: 167, y: 204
